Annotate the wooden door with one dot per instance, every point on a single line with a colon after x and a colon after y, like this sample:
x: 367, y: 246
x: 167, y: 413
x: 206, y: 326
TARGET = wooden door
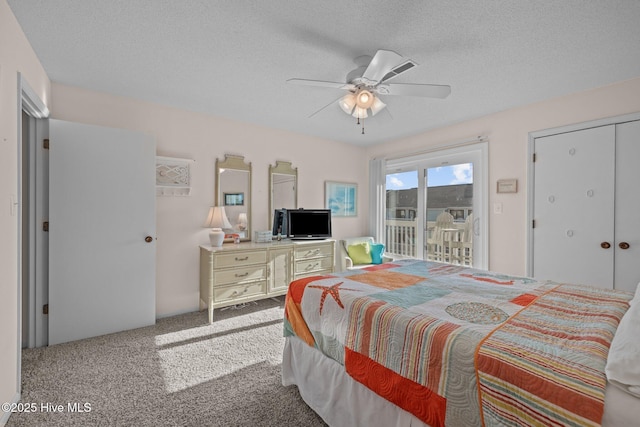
x: 574, y: 182
x: 101, y: 210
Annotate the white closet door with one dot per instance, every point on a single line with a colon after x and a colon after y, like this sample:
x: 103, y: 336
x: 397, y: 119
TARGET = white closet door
x: 574, y: 207
x: 101, y: 209
x: 627, y: 261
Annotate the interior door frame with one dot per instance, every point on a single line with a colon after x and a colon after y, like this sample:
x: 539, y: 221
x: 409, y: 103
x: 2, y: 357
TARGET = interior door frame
x: 531, y: 167
x: 32, y: 104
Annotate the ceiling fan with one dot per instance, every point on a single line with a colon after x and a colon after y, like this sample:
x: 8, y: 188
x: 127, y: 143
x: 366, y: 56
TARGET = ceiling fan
x: 366, y: 83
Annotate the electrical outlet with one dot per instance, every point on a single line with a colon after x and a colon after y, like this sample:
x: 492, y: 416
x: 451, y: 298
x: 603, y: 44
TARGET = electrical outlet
x: 497, y: 208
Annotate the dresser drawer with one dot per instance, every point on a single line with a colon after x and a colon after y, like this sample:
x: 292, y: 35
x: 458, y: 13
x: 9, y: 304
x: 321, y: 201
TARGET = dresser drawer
x: 249, y: 273
x: 313, y: 265
x: 313, y: 252
x: 224, y: 294
x: 222, y: 260
x: 313, y: 273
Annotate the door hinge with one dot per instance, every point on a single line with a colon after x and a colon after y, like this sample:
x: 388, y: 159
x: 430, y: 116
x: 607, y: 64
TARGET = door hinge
x: 45, y: 226
x: 45, y: 309
x: 534, y: 157
x: 45, y: 144
x: 533, y: 224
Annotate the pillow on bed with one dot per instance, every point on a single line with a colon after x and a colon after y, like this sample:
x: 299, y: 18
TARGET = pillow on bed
x: 377, y: 251
x: 623, y: 362
x: 360, y: 253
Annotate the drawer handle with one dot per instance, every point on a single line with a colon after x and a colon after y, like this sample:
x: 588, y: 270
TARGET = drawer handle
x: 242, y: 275
x: 242, y: 259
x: 311, y: 267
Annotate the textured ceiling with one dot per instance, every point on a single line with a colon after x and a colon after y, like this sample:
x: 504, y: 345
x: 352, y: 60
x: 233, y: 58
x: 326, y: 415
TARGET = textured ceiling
x: 232, y: 58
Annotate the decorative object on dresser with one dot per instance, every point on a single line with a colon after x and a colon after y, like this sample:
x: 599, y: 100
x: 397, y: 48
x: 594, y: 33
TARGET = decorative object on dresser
x: 262, y: 237
x: 250, y: 271
x: 217, y: 220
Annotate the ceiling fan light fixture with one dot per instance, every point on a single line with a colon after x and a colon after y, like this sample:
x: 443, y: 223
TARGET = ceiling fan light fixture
x: 364, y: 98
x: 377, y: 106
x: 347, y: 103
x: 360, y: 113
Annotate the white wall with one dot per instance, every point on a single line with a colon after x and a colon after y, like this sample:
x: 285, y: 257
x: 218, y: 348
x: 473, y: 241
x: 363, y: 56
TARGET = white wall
x: 16, y: 55
x: 204, y: 138
x: 508, y: 144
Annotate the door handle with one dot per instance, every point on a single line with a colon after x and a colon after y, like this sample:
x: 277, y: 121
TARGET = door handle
x: 624, y: 245
x: 148, y: 239
x: 605, y: 245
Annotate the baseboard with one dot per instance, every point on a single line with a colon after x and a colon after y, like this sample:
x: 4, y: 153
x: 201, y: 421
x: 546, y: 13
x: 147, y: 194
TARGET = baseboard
x: 5, y: 415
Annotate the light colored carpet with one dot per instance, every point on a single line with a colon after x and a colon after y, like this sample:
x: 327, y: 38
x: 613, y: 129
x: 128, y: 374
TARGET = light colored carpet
x: 180, y: 372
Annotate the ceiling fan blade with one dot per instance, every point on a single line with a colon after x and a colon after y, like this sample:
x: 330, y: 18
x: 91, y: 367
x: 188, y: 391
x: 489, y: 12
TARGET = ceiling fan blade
x: 415, y: 89
x: 382, y: 62
x: 332, y: 102
x: 322, y: 83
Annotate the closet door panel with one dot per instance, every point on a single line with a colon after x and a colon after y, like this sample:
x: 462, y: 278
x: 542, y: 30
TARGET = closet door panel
x: 573, y: 207
x: 627, y: 206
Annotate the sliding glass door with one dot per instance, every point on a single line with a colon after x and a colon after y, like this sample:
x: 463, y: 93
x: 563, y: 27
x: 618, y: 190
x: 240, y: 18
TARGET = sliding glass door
x: 401, y: 213
x: 435, y: 206
x: 448, y: 228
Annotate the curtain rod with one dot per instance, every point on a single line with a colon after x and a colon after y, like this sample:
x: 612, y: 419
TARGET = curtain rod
x: 479, y: 138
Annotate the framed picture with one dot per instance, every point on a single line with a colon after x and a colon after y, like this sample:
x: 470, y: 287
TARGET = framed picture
x: 341, y: 198
x: 234, y: 199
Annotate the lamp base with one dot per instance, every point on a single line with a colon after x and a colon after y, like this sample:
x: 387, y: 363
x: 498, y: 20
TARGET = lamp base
x: 216, y: 237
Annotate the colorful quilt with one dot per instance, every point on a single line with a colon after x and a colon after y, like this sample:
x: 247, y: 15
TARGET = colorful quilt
x: 459, y: 346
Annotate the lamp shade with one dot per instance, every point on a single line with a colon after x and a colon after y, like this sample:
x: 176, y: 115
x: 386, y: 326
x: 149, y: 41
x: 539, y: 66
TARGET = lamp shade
x: 360, y: 113
x: 347, y: 103
x: 217, y: 218
x: 364, y: 99
x: 242, y: 221
x: 377, y: 106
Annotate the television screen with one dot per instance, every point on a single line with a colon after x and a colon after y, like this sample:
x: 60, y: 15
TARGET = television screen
x: 309, y: 223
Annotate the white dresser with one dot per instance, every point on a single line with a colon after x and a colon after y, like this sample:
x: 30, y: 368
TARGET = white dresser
x: 238, y: 273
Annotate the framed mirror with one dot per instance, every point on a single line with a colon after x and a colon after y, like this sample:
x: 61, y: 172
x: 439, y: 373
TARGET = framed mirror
x: 283, y: 187
x: 233, y: 192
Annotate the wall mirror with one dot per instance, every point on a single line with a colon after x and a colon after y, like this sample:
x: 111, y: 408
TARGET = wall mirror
x: 233, y: 192
x: 283, y: 187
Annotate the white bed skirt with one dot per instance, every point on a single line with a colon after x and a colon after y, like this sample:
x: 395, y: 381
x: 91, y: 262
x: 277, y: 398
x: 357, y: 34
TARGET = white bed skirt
x: 343, y: 402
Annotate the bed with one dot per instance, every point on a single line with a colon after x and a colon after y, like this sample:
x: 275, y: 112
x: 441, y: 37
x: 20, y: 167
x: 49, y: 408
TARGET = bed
x: 414, y: 343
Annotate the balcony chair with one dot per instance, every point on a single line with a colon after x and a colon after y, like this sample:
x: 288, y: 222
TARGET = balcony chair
x: 435, y: 241
x: 461, y: 251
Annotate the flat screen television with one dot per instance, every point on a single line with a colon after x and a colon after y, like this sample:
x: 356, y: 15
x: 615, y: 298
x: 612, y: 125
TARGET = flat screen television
x: 309, y: 224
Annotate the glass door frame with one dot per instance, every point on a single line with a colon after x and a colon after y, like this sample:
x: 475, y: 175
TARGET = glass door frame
x: 476, y: 153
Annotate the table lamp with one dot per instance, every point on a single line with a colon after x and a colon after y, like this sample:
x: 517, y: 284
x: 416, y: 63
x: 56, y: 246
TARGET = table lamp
x: 217, y: 220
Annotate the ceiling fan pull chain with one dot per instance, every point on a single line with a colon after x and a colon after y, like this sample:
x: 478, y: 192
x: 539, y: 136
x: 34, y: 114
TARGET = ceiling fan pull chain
x: 363, y: 126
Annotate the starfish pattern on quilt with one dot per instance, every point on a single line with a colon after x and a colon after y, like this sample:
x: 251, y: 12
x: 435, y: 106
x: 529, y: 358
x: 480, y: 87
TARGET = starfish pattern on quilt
x: 334, y: 291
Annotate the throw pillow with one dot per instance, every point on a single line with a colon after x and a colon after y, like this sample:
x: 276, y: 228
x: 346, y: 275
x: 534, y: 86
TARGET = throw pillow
x: 377, y: 251
x: 359, y: 253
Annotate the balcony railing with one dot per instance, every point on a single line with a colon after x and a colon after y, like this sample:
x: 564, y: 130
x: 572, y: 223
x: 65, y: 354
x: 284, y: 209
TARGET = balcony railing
x: 401, y: 241
x: 400, y: 237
